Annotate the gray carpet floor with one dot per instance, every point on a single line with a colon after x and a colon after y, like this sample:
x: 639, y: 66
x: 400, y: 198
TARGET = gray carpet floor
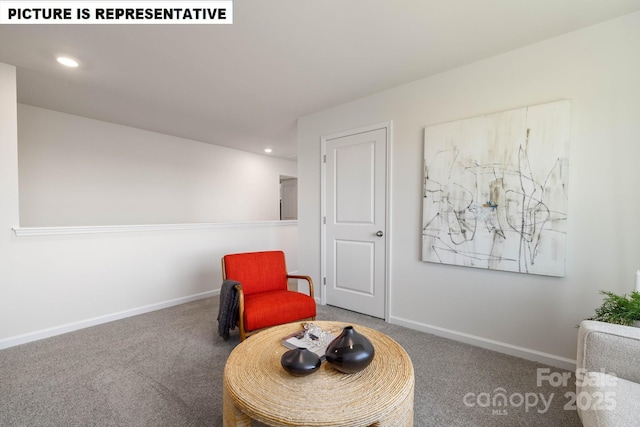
x: 165, y: 369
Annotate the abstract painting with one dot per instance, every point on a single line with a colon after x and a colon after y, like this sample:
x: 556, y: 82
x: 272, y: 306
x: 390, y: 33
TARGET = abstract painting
x: 495, y: 190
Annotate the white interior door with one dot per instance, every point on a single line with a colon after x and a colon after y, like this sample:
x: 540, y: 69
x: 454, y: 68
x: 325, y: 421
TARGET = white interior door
x: 355, y: 221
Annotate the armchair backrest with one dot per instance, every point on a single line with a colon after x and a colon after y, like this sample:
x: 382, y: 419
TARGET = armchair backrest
x: 257, y: 271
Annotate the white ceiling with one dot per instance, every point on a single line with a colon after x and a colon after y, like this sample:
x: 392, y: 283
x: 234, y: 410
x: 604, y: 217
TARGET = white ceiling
x: 244, y: 85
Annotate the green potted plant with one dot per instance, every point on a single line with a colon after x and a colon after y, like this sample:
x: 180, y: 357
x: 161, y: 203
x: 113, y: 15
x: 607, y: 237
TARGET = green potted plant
x: 620, y: 309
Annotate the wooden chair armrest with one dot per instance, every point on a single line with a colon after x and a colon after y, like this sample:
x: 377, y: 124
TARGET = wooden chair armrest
x: 243, y: 332
x: 307, y: 278
x: 240, y: 294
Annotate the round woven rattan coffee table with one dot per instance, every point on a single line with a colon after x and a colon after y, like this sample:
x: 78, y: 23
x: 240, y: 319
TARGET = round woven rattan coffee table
x: 257, y: 387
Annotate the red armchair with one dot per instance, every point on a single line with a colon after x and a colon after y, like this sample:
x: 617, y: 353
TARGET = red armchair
x: 263, y: 294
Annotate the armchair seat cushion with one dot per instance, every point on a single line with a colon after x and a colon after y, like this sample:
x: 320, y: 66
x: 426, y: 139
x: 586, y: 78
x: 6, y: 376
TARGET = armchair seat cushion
x: 265, y: 309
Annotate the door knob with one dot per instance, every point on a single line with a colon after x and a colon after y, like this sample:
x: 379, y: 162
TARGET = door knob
x: 379, y: 233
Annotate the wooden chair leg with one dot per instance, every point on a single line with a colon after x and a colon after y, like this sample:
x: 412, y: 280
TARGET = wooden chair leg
x: 243, y: 333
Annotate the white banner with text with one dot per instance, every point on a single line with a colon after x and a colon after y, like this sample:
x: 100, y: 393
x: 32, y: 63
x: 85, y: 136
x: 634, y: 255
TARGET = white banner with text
x: 116, y: 12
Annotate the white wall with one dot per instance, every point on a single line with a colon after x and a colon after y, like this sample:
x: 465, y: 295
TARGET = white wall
x: 56, y: 283
x: 530, y: 316
x: 77, y: 171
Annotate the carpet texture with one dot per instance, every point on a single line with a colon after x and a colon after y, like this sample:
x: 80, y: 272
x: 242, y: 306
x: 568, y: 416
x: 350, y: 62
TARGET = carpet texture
x: 165, y: 369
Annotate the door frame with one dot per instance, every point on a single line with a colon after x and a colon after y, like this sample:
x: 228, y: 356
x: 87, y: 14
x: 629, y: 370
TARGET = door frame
x: 388, y: 126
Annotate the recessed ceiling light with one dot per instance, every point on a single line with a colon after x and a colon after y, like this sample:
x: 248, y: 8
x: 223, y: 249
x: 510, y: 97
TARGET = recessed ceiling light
x: 268, y: 150
x: 67, y: 62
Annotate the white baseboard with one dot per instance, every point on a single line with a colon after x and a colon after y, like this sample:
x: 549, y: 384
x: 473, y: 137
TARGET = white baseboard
x: 501, y: 347
x: 70, y: 327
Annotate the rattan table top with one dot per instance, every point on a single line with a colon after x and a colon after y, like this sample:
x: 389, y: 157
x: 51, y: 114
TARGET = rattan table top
x: 259, y: 387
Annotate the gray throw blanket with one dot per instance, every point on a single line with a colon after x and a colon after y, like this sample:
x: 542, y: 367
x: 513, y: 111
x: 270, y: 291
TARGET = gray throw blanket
x: 228, y: 310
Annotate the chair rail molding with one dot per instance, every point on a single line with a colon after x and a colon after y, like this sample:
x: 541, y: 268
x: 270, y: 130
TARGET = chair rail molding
x: 102, y: 229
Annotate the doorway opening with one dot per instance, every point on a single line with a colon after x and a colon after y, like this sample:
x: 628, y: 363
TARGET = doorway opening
x: 288, y: 198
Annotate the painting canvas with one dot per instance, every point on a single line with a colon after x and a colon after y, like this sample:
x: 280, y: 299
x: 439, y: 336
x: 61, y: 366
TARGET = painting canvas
x: 495, y: 190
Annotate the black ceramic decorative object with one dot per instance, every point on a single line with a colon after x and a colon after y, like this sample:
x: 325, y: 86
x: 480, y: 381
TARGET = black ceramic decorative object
x: 350, y: 351
x: 300, y: 362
